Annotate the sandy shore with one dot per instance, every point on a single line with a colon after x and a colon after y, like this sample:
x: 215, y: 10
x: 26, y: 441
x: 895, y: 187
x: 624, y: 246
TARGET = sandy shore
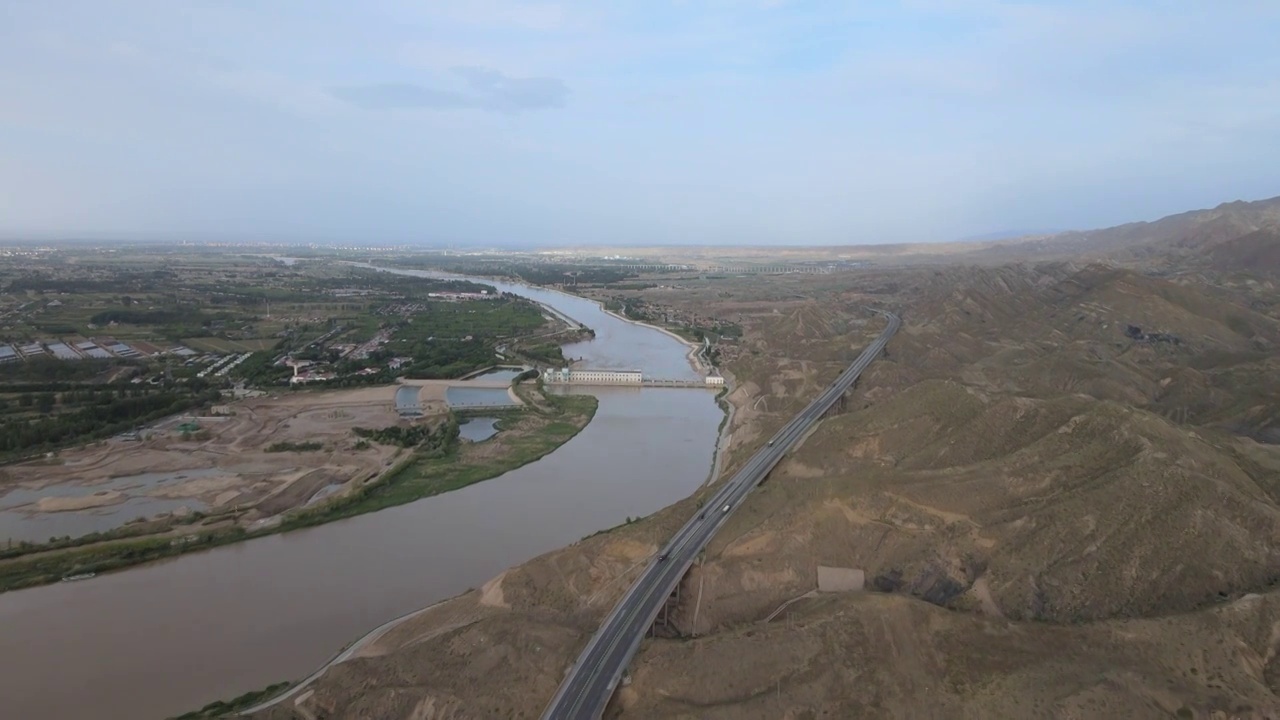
x: 228, y: 461
x: 492, y: 588
x: 80, y: 502
x: 346, y: 654
x: 725, y: 437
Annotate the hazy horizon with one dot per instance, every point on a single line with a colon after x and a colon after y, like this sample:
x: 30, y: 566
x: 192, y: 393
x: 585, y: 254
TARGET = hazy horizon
x: 723, y: 122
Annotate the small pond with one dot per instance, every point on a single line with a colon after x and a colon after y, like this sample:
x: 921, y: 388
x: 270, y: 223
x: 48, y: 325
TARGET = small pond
x: 478, y: 429
x: 506, y: 374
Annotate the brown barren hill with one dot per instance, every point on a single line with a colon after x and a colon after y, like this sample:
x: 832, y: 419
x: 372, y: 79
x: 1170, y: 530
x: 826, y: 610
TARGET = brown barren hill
x: 1062, y: 484
x: 1235, y: 237
x: 1257, y: 252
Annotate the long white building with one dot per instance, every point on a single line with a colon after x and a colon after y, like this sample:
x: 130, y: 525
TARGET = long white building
x: 604, y: 377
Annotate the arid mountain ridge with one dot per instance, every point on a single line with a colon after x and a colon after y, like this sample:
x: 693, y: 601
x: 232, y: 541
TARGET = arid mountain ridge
x: 1234, y: 236
x: 1062, y: 484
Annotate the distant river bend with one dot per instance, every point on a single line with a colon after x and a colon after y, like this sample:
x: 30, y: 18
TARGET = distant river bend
x: 169, y: 637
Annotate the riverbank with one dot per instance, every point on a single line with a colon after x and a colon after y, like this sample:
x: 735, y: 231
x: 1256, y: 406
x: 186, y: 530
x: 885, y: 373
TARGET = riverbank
x: 610, y: 550
x: 725, y: 434
x: 280, y: 692
x: 691, y: 356
x: 287, y: 603
x: 524, y: 437
x: 725, y: 431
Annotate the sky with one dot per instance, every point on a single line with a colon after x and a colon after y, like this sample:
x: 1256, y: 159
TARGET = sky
x: 630, y: 122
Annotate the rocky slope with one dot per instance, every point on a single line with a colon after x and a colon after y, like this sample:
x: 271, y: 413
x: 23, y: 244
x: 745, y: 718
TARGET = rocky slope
x: 1235, y: 237
x: 1062, y: 485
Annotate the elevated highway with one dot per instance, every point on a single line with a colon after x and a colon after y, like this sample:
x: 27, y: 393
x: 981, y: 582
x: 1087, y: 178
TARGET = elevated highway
x: 589, y: 684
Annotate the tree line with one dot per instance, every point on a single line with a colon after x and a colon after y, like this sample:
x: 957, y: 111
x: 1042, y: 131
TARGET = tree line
x: 21, y: 437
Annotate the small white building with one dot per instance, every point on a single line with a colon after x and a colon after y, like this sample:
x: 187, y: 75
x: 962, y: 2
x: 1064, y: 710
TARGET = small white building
x: 310, y: 377
x: 715, y: 380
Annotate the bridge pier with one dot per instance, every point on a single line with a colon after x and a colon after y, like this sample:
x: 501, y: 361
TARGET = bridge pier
x: 664, y: 615
x: 840, y: 406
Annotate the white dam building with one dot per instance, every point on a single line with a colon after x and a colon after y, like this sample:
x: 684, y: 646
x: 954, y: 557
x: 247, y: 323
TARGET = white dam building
x: 566, y: 376
x: 600, y: 377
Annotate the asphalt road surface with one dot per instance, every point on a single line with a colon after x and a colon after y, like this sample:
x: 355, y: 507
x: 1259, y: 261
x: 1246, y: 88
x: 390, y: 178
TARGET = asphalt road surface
x: 587, y: 688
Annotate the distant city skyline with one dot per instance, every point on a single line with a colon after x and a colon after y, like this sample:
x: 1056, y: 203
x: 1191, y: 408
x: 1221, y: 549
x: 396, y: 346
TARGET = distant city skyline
x: 715, y: 122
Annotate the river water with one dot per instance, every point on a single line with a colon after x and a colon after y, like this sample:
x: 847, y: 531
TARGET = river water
x: 618, y: 344
x: 161, y: 639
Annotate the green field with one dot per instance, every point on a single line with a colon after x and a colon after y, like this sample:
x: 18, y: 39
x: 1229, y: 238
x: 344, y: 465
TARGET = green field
x: 223, y: 345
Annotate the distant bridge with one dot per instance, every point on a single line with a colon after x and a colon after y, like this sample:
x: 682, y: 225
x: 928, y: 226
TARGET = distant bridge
x: 650, y: 382
x: 768, y: 269
x: 736, y: 269
x: 658, y: 267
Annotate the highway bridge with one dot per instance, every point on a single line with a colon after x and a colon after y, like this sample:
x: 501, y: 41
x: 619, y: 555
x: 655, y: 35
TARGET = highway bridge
x: 768, y: 269
x: 589, y: 684
x: 765, y: 269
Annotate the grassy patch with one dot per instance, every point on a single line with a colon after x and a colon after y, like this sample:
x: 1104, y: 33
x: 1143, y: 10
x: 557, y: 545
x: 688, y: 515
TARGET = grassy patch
x: 226, y: 345
x: 44, y: 568
x: 525, y: 439
x: 223, y: 708
x: 440, y: 475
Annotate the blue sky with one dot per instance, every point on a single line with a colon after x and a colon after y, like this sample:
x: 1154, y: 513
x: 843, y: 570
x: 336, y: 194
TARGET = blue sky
x: 628, y: 122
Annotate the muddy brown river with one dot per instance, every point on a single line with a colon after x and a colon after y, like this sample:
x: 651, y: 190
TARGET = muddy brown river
x: 162, y: 639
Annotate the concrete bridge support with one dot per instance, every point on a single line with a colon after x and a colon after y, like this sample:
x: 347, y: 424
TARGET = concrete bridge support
x: 840, y: 407
x: 664, y: 616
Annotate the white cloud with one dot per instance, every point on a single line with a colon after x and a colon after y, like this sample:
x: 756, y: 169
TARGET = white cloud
x: 742, y: 120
